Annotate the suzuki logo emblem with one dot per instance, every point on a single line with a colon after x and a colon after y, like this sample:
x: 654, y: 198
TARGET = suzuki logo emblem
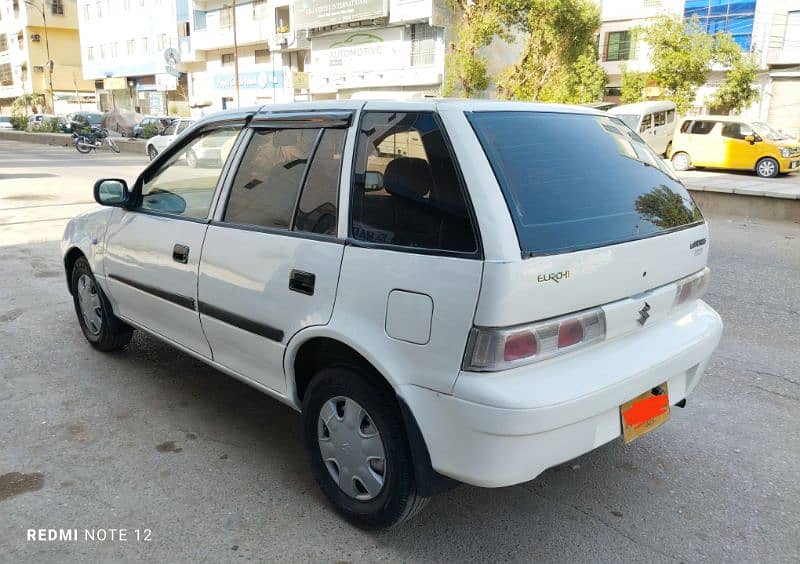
x: 643, y: 315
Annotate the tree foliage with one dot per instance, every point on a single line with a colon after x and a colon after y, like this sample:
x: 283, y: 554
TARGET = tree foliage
x: 557, y: 62
x: 736, y: 92
x: 632, y: 84
x: 681, y: 53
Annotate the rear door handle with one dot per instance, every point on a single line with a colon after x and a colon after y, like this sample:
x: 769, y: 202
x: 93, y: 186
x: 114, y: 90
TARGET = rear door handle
x: 302, y: 282
x: 180, y: 253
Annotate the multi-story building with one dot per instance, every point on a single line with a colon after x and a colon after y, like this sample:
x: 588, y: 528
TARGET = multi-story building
x: 781, y: 56
x: 130, y: 50
x: 40, y: 54
x: 311, y: 49
x: 619, y: 49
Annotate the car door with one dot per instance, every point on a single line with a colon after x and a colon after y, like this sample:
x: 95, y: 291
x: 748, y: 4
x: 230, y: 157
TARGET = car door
x: 704, y: 146
x: 271, y: 257
x: 660, y: 140
x: 153, y: 250
x: 739, y: 153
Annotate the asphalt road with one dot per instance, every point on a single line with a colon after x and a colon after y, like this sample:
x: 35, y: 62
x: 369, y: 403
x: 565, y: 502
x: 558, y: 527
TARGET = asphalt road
x: 152, y: 439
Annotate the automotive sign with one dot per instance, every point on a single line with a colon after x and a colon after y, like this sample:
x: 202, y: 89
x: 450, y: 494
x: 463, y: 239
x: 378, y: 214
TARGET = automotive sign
x: 361, y: 51
x: 318, y: 13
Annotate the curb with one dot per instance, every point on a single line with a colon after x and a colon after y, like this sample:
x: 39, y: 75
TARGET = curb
x: 127, y: 146
x: 758, y: 206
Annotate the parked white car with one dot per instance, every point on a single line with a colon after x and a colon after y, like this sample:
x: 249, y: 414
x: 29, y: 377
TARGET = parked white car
x: 156, y: 144
x: 435, y: 285
x: 5, y: 122
x: 654, y: 121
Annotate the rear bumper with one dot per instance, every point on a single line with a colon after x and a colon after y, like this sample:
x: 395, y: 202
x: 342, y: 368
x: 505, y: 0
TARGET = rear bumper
x: 506, y: 428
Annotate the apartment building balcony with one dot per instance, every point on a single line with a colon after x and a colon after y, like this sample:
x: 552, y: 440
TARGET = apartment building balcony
x: 248, y: 32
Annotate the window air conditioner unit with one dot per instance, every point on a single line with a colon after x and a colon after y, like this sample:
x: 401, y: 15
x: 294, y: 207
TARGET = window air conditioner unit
x: 38, y: 68
x: 36, y: 37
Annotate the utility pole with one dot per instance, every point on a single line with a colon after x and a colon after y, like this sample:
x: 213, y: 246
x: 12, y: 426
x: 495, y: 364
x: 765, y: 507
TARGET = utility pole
x: 235, y: 54
x: 47, y: 48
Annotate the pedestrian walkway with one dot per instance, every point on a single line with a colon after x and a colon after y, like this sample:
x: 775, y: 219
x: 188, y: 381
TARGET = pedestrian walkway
x: 745, y: 183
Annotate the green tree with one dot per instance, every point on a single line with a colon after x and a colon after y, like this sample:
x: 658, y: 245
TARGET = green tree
x: 681, y: 54
x: 559, y: 35
x: 736, y: 92
x: 632, y: 84
x: 477, y: 24
x: 27, y: 102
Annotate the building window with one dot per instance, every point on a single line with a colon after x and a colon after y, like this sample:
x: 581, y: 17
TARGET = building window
x: 115, y: 49
x: 612, y: 91
x: 162, y: 41
x: 227, y: 59
x: 57, y: 7
x: 131, y: 47
x: 790, y: 35
x: 99, y: 10
x: 282, y: 19
x: 6, y: 78
x: 90, y: 54
x: 145, y: 46
x: 102, y: 52
x: 651, y: 3
x: 86, y: 12
x: 260, y: 11
x: 618, y: 46
x: 20, y: 41
x: 225, y: 17
x: 3, y: 43
x: 262, y: 56
x: 718, y: 16
x: 423, y: 44
x: 199, y: 20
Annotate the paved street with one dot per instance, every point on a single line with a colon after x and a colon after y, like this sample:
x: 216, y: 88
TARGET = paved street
x: 152, y: 439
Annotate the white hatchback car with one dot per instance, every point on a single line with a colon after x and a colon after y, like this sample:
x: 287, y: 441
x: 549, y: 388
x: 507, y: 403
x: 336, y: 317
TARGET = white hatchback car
x: 448, y: 291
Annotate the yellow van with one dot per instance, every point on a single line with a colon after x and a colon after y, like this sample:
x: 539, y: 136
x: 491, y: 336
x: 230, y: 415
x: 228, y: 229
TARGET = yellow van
x: 734, y: 143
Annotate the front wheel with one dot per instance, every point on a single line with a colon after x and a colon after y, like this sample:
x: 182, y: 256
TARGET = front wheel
x: 681, y: 161
x: 152, y: 152
x: 768, y: 168
x: 114, y: 146
x: 83, y: 146
x: 104, y: 330
x: 355, y: 438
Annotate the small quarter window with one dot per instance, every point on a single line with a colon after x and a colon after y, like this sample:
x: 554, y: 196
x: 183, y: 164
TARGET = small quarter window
x: 406, y: 190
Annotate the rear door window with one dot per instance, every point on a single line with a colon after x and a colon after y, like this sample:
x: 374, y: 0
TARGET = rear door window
x: 647, y: 122
x: 578, y: 181
x: 703, y: 127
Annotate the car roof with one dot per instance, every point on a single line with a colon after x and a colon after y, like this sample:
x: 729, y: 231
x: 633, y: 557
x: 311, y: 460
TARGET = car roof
x: 738, y: 119
x: 642, y: 107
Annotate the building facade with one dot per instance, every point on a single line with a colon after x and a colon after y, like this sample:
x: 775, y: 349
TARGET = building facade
x: 311, y: 49
x: 770, y: 29
x: 130, y: 50
x: 28, y: 31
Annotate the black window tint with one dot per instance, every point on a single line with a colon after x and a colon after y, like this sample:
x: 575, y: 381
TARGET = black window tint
x: 406, y: 190
x: 316, y: 212
x: 647, y: 122
x: 621, y: 191
x: 703, y: 127
x: 267, y: 183
x: 659, y: 118
x: 737, y: 130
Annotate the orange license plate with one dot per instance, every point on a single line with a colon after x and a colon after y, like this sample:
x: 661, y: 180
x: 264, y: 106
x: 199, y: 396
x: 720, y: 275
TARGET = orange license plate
x: 644, y: 413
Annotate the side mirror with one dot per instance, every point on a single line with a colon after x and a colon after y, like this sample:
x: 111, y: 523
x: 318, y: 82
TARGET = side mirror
x: 750, y: 138
x: 112, y: 192
x: 373, y: 180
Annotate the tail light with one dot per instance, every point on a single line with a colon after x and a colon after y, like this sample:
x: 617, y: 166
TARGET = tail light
x: 692, y: 287
x: 490, y: 349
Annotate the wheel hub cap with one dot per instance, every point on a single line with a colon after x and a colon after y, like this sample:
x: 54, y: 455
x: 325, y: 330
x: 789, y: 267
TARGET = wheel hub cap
x: 351, y: 448
x: 767, y: 168
x: 90, y: 306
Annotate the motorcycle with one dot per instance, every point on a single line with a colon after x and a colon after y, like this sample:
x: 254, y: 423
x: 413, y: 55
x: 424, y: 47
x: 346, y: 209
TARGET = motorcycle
x: 93, y: 140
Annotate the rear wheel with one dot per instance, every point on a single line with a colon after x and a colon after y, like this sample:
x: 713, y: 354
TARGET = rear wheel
x: 355, y: 438
x: 104, y: 330
x: 768, y: 168
x: 151, y: 152
x: 83, y: 146
x: 681, y: 161
x: 113, y: 145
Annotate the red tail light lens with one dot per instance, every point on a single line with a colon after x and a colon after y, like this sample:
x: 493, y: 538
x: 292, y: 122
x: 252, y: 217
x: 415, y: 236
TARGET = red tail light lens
x: 692, y: 287
x: 570, y: 333
x: 519, y: 345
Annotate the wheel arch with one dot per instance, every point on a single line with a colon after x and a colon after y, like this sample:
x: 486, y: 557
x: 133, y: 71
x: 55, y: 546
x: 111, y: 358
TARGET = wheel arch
x: 316, y: 347
x: 70, y: 258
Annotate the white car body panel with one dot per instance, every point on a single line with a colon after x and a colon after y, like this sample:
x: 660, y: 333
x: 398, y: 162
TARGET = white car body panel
x: 658, y: 137
x: 410, y: 313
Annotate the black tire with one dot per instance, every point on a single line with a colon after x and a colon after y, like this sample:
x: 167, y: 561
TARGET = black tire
x: 113, y: 145
x: 398, y: 500
x: 191, y: 159
x: 82, y: 146
x: 681, y: 161
x: 768, y: 168
x: 151, y: 152
x: 113, y: 333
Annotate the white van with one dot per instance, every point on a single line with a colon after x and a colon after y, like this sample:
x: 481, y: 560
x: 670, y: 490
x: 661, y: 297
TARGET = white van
x: 435, y: 285
x: 654, y: 121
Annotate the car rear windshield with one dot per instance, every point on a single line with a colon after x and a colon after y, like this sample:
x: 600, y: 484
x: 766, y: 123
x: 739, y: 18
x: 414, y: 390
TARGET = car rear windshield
x: 578, y: 181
